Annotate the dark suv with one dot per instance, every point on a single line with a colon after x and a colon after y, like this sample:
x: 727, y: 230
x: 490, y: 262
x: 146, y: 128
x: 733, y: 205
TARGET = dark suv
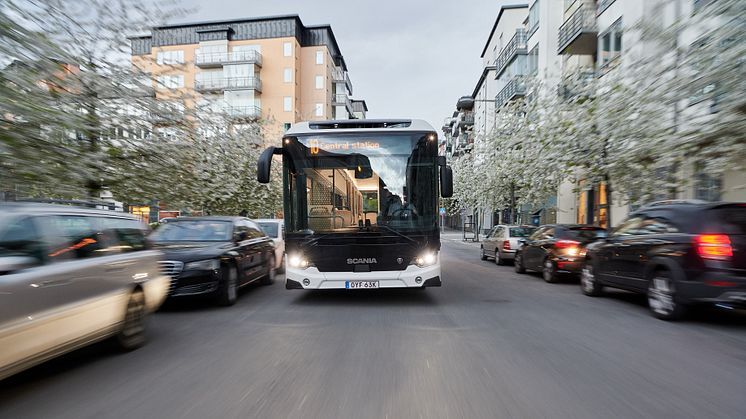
x: 556, y: 249
x: 678, y: 253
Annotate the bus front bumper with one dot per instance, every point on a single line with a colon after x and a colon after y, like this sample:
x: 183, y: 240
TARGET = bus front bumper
x: 412, y: 277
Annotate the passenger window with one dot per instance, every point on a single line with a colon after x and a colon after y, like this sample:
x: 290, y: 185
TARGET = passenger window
x: 239, y: 230
x: 536, y: 234
x: 629, y: 227
x: 656, y: 226
x: 548, y: 234
x: 84, y: 238
x: 127, y: 235
x: 20, y: 237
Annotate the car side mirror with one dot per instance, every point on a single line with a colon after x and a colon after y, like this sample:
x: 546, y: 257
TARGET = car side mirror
x: 240, y: 236
x: 446, y: 181
x: 264, y: 164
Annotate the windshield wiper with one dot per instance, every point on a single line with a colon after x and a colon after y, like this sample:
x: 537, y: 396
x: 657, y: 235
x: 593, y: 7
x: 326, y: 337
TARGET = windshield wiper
x: 397, y: 233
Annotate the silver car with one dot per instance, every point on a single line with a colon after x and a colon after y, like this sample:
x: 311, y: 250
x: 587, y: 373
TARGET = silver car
x: 275, y: 229
x: 70, y: 277
x: 502, y: 241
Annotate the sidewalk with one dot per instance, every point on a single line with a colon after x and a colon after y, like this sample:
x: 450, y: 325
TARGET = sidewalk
x: 456, y: 236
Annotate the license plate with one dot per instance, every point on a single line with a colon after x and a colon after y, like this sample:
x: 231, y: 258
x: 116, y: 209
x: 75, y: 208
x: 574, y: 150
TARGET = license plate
x: 361, y: 284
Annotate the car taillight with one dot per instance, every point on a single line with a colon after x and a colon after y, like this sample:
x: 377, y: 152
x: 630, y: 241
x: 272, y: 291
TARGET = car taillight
x: 564, y: 244
x: 506, y: 245
x: 714, y: 246
x: 569, y: 247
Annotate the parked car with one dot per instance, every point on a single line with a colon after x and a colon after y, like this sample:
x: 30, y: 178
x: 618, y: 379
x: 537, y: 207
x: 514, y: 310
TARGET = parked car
x: 556, y: 249
x: 501, y: 242
x: 214, y: 256
x: 69, y: 277
x: 678, y: 253
x: 275, y: 229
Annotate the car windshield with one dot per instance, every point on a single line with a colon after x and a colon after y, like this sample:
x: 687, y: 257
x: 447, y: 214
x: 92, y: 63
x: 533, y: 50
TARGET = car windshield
x: 272, y: 229
x: 193, y: 230
x: 586, y: 234
x: 521, y: 231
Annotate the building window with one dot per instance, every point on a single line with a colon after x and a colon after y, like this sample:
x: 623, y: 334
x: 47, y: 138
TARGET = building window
x: 286, y: 125
x: 319, y: 82
x: 319, y: 57
x: 319, y: 109
x: 707, y: 186
x: 610, y: 45
x: 287, y: 49
x: 533, y: 18
x: 170, y: 81
x: 170, y: 57
x: 287, y: 75
x: 287, y: 104
x: 533, y: 61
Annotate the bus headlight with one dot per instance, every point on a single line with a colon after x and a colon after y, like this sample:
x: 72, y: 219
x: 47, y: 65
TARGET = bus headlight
x: 298, y: 261
x: 426, y: 259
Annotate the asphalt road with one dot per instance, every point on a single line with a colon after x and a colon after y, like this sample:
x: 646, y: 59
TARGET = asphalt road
x: 488, y: 344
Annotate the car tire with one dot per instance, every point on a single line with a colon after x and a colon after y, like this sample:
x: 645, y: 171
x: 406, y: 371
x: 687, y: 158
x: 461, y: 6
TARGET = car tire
x: 228, y: 288
x: 549, y: 271
x: 132, y: 334
x: 589, y: 283
x: 269, y: 277
x: 483, y: 256
x: 662, y: 299
x: 498, y: 260
x: 518, y: 263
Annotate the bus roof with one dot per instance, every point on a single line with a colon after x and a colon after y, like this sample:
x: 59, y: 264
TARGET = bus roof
x: 359, y: 125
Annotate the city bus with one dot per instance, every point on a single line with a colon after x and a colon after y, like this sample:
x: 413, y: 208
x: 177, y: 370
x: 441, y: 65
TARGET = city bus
x: 361, y: 203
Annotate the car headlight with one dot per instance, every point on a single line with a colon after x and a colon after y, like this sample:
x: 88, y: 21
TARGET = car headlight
x: 203, y: 265
x: 426, y: 259
x: 298, y: 261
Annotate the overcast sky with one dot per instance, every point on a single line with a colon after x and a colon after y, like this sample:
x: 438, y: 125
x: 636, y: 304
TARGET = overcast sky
x: 406, y: 58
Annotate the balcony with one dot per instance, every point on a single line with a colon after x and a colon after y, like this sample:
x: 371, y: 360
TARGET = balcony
x: 229, y: 83
x: 604, y: 4
x: 577, y: 85
x: 342, y: 99
x: 243, y: 112
x: 579, y: 34
x: 515, y: 88
x: 516, y: 46
x: 217, y: 59
x: 341, y: 76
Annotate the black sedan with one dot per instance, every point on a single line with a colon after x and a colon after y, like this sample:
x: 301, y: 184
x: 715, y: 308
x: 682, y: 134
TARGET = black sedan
x: 556, y: 249
x: 214, y: 256
x: 679, y: 253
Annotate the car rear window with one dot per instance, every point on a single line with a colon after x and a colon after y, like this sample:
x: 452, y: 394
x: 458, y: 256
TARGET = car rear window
x: 272, y: 229
x: 584, y: 233
x: 730, y: 219
x: 521, y: 231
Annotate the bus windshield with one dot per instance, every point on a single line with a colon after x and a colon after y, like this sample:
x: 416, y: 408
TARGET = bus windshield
x: 354, y: 182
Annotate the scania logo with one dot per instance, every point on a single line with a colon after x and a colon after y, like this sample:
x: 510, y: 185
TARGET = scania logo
x: 354, y: 261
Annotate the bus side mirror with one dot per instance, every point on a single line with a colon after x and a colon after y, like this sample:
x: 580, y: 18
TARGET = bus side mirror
x: 446, y: 181
x: 264, y: 164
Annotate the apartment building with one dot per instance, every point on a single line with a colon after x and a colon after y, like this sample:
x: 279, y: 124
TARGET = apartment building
x: 600, y: 36
x: 275, y: 68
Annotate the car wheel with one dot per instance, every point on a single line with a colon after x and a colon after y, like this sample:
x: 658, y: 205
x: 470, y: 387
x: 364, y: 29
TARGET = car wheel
x: 549, y: 271
x: 484, y: 256
x: 498, y: 259
x: 518, y: 263
x: 662, y: 298
x: 589, y: 283
x: 269, y: 277
x: 132, y: 334
x: 228, y: 289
